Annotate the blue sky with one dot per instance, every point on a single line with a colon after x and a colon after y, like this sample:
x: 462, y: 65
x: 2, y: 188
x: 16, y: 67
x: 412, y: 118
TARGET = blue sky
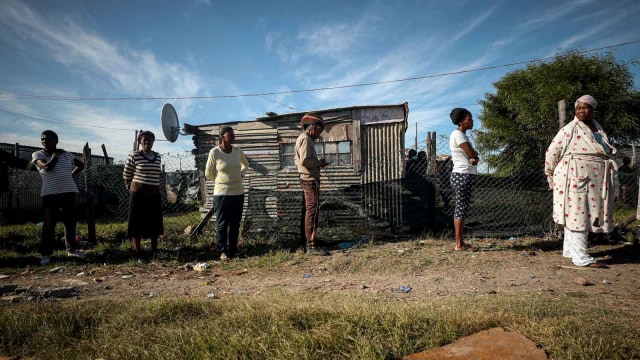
x: 207, y: 48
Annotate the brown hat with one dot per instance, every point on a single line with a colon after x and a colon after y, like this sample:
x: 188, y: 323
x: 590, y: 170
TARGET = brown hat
x: 312, y: 119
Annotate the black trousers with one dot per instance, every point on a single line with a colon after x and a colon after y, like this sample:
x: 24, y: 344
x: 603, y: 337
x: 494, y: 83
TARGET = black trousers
x: 58, y: 206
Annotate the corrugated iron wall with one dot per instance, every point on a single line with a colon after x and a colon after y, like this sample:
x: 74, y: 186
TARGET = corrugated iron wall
x: 369, y: 187
x: 382, y: 170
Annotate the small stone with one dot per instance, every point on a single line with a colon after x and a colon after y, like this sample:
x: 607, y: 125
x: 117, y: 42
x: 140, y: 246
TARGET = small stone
x: 582, y: 281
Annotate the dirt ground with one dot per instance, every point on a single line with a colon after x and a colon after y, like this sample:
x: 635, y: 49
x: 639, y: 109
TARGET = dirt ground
x: 410, y: 270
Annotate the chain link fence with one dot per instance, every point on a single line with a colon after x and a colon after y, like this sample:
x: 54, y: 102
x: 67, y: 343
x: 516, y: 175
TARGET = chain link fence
x: 421, y: 202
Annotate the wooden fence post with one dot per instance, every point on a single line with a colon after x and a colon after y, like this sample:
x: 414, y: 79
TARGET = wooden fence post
x: 562, y: 113
x: 106, y: 157
x: 91, y: 215
x: 14, y: 195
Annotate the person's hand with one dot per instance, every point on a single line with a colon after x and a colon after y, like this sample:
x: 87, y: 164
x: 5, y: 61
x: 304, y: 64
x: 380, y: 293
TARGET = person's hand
x: 323, y: 163
x: 473, y: 160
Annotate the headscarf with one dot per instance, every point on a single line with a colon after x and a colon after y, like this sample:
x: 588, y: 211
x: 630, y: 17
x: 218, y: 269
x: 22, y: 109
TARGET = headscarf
x: 458, y: 114
x: 143, y: 134
x: 312, y: 119
x: 586, y: 99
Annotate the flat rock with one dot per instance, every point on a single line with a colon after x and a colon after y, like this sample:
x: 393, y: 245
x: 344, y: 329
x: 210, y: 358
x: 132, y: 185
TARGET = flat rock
x: 492, y: 344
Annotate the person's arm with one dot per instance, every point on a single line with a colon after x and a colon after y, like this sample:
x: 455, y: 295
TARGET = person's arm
x: 47, y: 165
x: 306, y: 151
x: 554, y: 154
x: 210, y: 170
x: 129, y: 169
x: 472, y: 155
x: 244, y: 164
x: 79, y: 166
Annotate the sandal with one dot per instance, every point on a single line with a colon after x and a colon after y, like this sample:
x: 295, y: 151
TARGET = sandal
x: 466, y: 247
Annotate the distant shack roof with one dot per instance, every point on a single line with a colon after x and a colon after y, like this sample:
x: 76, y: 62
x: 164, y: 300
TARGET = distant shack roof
x: 368, y: 117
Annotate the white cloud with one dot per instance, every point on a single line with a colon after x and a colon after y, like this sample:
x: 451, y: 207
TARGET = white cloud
x: 475, y: 23
x: 554, y: 13
x: 330, y: 41
x: 132, y: 71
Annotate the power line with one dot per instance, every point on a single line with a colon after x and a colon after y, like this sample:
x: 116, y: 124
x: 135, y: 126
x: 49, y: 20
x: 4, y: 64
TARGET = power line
x: 79, y: 98
x: 277, y: 102
x: 54, y: 120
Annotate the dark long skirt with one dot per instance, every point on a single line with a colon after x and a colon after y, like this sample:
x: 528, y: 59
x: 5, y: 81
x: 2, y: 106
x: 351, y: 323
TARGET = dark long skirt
x: 145, y: 216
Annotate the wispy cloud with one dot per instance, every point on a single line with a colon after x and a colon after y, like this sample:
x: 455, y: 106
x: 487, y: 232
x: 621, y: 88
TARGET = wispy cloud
x: 558, y: 11
x: 475, y: 23
x: 130, y: 71
x: 330, y: 41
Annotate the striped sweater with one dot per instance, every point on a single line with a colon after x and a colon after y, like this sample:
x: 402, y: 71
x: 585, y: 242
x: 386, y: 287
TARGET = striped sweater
x: 59, y: 180
x: 143, y: 168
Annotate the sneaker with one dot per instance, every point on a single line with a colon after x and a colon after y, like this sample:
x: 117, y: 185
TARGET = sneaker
x: 224, y: 257
x: 76, y: 253
x: 318, y: 251
x: 45, y: 260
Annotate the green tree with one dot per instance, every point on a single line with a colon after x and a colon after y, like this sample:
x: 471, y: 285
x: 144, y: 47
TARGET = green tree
x: 521, y: 118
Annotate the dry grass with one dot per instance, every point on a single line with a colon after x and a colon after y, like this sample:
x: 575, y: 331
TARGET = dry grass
x: 307, y: 326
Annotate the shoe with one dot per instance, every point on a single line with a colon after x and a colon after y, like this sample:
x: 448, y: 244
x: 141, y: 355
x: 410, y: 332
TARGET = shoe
x: 76, y: 253
x: 318, y: 251
x: 224, y: 256
x: 45, y: 260
x: 598, y: 265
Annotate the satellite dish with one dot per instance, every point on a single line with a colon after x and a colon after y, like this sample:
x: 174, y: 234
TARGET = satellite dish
x: 170, y: 123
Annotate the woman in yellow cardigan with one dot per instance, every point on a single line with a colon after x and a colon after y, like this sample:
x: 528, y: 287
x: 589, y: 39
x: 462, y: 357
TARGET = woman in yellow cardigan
x: 226, y: 167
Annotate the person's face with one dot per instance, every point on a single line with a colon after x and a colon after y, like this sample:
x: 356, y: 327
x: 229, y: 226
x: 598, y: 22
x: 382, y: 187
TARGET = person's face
x: 147, y: 143
x: 584, y: 112
x: 315, y: 130
x: 228, y: 138
x: 48, y: 142
x: 467, y: 123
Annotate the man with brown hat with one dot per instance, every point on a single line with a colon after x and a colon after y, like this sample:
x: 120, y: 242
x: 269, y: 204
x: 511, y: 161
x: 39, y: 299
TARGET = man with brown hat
x: 309, y: 167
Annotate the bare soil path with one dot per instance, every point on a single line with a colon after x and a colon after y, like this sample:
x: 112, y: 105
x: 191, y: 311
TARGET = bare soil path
x: 404, y: 270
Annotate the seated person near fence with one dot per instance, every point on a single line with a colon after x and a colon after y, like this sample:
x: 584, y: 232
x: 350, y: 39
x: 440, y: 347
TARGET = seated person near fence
x: 409, y: 165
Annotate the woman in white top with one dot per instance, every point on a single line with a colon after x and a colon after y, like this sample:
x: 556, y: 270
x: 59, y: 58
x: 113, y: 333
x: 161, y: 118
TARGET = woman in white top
x: 463, y: 176
x: 57, y: 168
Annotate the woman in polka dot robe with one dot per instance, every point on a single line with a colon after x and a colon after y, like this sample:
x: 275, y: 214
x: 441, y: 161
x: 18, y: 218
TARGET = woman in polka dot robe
x: 582, y: 175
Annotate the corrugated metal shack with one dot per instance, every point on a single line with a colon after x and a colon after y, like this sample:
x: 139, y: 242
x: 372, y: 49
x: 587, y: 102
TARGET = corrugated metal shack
x: 363, y: 182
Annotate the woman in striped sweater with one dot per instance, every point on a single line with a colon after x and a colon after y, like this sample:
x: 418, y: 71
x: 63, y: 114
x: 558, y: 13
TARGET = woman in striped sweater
x: 226, y: 166
x: 142, y: 178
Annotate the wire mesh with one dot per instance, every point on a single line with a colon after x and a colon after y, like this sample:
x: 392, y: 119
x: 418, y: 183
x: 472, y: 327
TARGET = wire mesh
x: 421, y: 201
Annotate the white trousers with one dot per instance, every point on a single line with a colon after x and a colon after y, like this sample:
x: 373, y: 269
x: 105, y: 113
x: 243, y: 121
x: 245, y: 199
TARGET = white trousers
x: 575, y: 247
